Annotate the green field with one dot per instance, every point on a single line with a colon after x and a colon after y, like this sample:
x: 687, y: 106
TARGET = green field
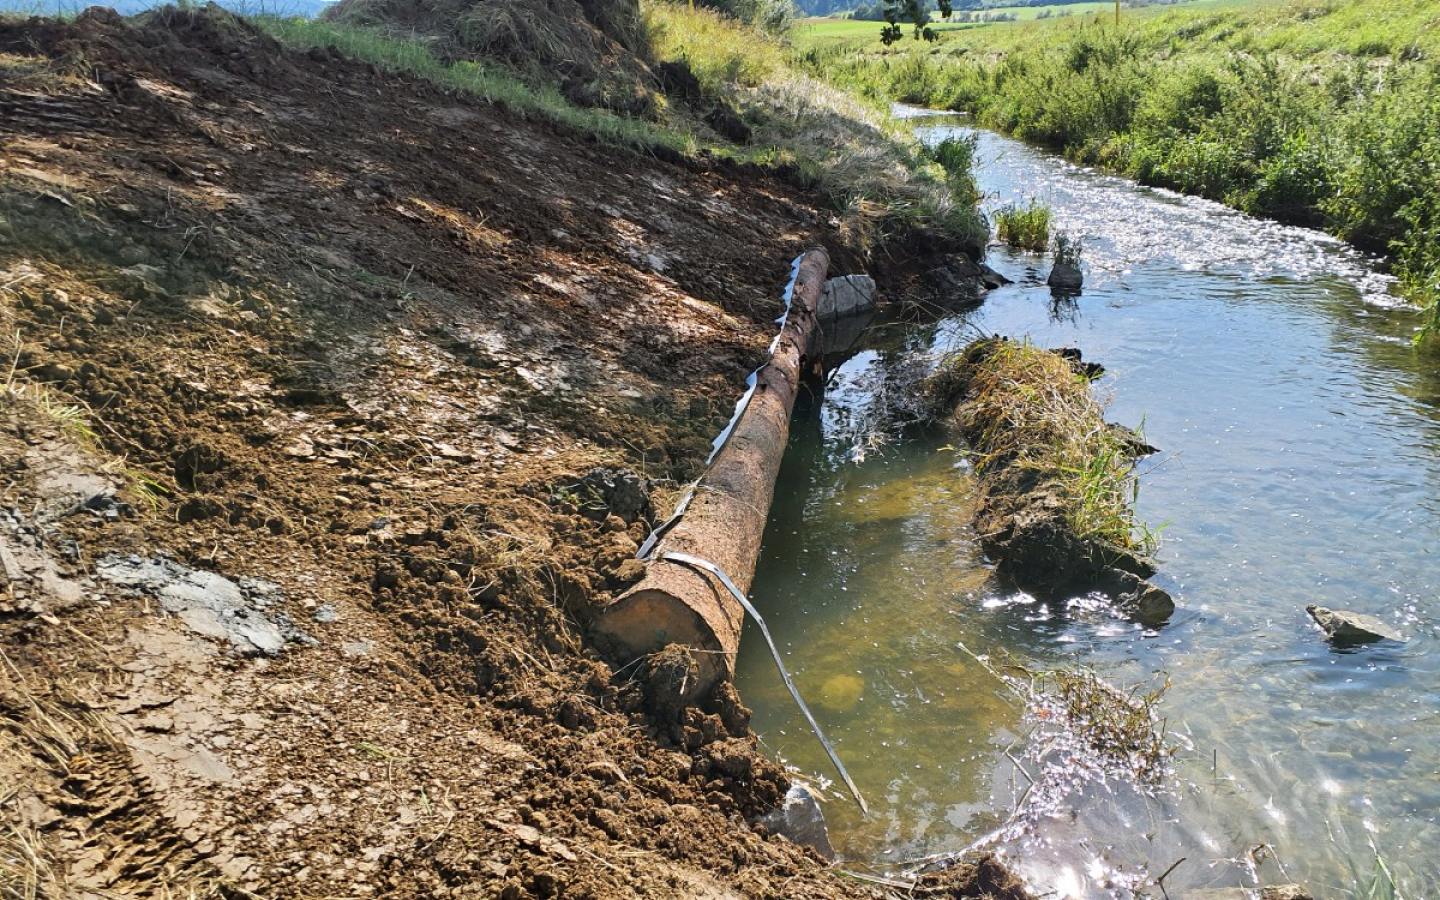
x: 829, y: 31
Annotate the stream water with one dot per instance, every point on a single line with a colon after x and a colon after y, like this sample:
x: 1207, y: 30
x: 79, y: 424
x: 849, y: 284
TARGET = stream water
x: 1299, y: 433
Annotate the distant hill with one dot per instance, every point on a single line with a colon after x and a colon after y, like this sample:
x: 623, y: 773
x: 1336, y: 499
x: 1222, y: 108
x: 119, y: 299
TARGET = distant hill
x: 305, y: 8
x: 825, y: 7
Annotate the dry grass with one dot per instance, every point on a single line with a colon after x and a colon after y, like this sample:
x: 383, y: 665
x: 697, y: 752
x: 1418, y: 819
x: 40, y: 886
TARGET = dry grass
x: 26, y: 868
x: 35, y: 730
x: 588, y: 47
x: 1026, y: 407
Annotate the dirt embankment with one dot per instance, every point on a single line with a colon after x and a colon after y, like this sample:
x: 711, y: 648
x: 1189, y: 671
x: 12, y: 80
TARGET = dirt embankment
x: 337, y: 403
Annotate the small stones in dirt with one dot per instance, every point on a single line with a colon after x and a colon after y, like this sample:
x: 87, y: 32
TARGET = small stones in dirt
x: 801, y: 820
x: 620, y: 492
x: 325, y: 614
x: 210, y: 604
x: 1345, y: 628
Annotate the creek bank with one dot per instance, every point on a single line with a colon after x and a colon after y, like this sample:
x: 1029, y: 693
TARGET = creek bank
x: 1055, y: 478
x: 375, y: 374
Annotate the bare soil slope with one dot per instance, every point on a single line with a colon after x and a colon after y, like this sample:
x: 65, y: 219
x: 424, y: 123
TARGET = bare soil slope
x: 335, y: 407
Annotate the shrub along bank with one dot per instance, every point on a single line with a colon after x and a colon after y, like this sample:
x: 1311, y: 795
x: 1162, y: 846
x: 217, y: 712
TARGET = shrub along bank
x: 1322, y: 114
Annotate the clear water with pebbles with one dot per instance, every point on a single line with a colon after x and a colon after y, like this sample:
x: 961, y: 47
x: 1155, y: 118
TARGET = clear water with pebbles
x: 1299, y: 432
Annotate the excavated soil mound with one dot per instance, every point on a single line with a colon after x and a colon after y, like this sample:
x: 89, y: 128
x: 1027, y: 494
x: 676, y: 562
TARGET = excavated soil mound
x: 337, y: 403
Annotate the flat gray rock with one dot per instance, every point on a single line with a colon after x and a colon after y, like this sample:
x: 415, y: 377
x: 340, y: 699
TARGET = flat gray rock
x: 1342, y: 626
x: 847, y: 295
x: 210, y: 604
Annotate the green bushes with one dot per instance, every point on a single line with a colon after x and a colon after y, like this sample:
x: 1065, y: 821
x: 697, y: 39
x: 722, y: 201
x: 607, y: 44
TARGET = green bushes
x: 1024, y: 227
x: 1321, y: 115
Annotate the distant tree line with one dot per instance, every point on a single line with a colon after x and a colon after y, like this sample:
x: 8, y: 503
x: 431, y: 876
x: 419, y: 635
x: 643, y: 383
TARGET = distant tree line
x: 975, y: 10
x: 878, y: 11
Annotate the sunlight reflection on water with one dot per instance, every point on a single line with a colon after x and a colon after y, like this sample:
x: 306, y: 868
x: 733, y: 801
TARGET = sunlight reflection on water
x: 1300, y: 434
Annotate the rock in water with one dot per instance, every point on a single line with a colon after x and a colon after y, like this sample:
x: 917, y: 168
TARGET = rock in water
x: 848, y: 295
x: 800, y: 819
x: 1344, y: 627
x: 1065, y: 277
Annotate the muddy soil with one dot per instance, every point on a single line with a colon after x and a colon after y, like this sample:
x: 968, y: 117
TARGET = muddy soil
x: 333, y: 407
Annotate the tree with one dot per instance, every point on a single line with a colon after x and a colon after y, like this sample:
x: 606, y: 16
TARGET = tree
x: 916, y: 11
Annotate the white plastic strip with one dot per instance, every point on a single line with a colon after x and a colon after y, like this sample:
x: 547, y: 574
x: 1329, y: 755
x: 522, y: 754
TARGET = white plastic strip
x: 708, y: 566
x: 723, y: 438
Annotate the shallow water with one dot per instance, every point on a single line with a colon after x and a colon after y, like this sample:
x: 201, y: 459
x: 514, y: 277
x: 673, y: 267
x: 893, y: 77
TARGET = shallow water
x: 1299, y: 432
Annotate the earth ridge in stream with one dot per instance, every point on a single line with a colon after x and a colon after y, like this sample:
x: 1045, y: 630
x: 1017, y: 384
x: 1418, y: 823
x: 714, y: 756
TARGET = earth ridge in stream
x: 1299, y: 432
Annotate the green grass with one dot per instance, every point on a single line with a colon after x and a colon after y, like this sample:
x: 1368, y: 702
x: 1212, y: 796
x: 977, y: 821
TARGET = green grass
x: 1024, y: 227
x: 1315, y: 112
x: 492, y: 84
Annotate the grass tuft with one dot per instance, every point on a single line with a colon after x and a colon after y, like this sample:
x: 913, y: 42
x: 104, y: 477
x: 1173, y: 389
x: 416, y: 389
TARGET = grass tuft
x: 1026, y: 407
x: 1024, y: 227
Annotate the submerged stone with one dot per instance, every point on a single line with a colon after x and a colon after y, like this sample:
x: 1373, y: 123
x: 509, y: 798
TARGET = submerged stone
x: 1341, y: 626
x: 841, y: 692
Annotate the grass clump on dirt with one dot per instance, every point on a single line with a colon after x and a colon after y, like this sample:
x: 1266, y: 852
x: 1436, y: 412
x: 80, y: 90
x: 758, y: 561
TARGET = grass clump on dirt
x: 1024, y: 227
x: 1057, y: 482
x: 588, y: 49
x: 491, y: 83
x: 1026, y: 407
x: 1318, y: 114
x: 869, y: 166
